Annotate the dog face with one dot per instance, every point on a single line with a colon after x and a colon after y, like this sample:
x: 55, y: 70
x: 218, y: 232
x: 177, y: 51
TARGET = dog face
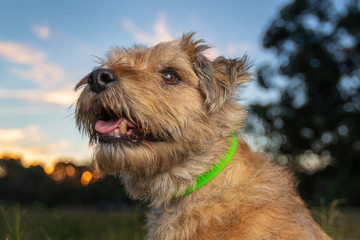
x: 148, y: 109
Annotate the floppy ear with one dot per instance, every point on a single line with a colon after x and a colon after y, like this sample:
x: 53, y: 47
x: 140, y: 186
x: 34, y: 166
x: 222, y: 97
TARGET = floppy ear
x: 219, y: 78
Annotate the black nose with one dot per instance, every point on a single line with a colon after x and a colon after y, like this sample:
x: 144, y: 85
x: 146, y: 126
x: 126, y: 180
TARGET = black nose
x: 100, y: 78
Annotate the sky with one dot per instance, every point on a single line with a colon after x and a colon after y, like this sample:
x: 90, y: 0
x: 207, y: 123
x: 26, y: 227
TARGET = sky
x: 46, y: 47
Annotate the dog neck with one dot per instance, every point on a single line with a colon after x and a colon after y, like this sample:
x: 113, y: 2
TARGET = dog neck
x: 216, y: 168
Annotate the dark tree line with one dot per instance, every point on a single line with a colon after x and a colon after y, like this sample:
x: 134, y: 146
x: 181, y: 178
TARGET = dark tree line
x: 316, y: 121
x: 61, y: 187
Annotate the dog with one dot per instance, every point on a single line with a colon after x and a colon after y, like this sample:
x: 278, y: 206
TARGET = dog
x: 166, y: 120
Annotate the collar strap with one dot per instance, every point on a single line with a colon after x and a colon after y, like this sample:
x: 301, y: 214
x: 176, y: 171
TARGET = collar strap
x: 216, y: 168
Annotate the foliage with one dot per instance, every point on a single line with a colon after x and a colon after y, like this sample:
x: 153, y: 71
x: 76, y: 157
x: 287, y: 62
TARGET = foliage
x: 316, y: 121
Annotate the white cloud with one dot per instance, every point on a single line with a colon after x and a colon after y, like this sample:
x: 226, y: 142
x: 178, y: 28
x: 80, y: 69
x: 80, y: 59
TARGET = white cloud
x: 20, y: 136
x: 212, y: 53
x: 24, y: 94
x: 34, y: 65
x: 42, y: 31
x: 10, y: 135
x: 236, y: 49
x: 161, y: 32
x: 20, y: 54
x: 64, y: 97
x: 45, y: 74
x: 15, y: 111
x: 26, y: 142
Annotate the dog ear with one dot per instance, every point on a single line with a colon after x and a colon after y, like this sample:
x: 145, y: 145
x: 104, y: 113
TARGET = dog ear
x: 228, y: 75
x: 219, y: 78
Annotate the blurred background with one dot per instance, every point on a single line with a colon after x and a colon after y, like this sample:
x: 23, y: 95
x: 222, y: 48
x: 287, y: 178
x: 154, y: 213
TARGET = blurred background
x: 304, y: 103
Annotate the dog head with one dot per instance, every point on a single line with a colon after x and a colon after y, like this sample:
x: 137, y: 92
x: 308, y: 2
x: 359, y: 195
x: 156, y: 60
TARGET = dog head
x: 148, y: 109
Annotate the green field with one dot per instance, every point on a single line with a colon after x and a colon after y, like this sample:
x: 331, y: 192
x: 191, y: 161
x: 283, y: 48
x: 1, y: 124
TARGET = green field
x: 341, y: 223
x: 90, y: 223
x: 70, y: 223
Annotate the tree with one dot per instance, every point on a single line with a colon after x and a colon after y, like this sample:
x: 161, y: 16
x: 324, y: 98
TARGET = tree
x: 316, y: 121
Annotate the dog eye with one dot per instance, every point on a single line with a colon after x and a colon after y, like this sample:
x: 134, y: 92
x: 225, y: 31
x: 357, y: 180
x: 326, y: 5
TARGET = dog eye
x: 170, y: 76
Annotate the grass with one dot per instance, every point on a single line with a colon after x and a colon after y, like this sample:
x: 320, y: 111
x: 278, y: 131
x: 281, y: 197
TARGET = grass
x: 339, y: 223
x: 80, y: 223
x: 13, y: 226
x: 71, y: 223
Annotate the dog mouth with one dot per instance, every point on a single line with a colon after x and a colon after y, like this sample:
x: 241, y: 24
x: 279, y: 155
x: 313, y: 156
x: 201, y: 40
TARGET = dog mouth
x: 110, y: 127
x: 116, y: 129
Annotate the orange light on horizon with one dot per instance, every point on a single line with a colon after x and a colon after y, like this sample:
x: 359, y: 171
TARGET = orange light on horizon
x: 49, y: 169
x: 96, y: 174
x: 70, y: 171
x: 86, y: 177
x: 11, y: 155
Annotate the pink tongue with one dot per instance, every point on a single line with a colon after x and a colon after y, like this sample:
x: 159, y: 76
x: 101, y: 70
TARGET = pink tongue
x: 107, y: 126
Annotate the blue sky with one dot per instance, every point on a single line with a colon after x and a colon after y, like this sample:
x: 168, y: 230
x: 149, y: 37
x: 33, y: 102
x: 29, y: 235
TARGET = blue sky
x: 47, y: 46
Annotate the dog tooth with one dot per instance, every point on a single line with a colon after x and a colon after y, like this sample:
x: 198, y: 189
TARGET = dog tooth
x: 117, y: 132
x: 123, y: 127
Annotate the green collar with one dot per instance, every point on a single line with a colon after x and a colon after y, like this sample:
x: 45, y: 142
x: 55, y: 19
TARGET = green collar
x: 211, y: 173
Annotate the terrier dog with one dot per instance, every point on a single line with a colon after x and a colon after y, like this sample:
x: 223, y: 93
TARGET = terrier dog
x: 164, y: 119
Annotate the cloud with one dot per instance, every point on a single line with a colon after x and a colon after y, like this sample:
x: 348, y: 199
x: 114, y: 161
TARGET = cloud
x: 42, y: 31
x: 16, y: 137
x: 10, y: 135
x: 26, y: 142
x: 34, y: 65
x: 15, y: 111
x: 237, y: 49
x: 212, y: 53
x: 41, y: 73
x: 161, y: 32
x: 20, y: 54
x: 64, y: 97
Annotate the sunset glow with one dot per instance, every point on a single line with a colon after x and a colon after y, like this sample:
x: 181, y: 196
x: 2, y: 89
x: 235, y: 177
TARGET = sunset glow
x: 70, y: 171
x: 49, y: 169
x: 86, y: 177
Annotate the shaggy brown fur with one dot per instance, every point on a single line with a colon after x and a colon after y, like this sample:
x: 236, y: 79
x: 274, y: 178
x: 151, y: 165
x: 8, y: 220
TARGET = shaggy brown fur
x: 181, y: 108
